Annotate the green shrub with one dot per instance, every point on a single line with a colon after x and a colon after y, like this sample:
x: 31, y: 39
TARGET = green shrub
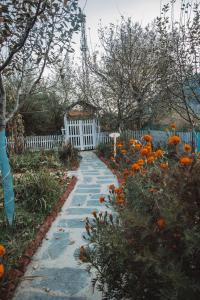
x: 37, y: 191
x: 105, y: 150
x: 25, y: 161
x: 69, y: 155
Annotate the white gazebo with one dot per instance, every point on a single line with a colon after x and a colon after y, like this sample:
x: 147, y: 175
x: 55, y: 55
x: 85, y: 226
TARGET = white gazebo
x: 81, y: 125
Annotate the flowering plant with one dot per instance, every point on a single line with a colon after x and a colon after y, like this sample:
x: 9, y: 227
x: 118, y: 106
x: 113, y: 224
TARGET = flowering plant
x: 2, y: 268
x: 148, y: 248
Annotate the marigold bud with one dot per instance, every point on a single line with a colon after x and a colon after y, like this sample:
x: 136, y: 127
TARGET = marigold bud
x: 2, y: 250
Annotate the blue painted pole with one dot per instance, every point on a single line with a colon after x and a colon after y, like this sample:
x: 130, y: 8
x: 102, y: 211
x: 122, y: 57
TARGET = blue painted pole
x: 198, y: 141
x: 7, y: 179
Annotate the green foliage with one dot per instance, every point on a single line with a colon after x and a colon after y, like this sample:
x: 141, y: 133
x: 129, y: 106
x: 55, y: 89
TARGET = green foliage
x: 69, y: 155
x: 151, y: 249
x: 35, y: 160
x: 105, y: 150
x: 43, y: 114
x: 37, y: 191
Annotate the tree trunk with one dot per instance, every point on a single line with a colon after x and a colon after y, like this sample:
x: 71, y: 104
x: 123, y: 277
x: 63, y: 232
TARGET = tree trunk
x: 7, y: 179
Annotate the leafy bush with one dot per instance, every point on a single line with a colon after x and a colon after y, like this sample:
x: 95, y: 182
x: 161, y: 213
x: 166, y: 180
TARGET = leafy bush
x: 69, y: 155
x: 104, y: 150
x: 37, y: 191
x: 150, y: 248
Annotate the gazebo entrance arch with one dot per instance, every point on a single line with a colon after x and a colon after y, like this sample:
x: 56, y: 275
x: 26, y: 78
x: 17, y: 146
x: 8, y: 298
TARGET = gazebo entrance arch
x: 81, y: 126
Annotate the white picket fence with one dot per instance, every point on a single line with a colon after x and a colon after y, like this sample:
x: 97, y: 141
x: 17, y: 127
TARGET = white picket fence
x: 55, y: 141
x: 103, y: 137
x: 46, y: 142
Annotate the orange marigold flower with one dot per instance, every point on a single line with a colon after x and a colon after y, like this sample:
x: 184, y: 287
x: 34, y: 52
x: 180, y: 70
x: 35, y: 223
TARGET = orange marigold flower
x: 187, y: 148
x: 94, y: 214
x: 118, y: 190
x: 112, y: 158
x: 135, y: 167
x: 147, y: 138
x: 149, y: 147
x: 2, y: 250
x: 173, y: 126
x: 174, y: 140
x: 102, y: 199
x: 150, y: 159
x: 140, y: 162
x: 138, y: 146
x: 111, y: 187
x: 185, y: 161
x: 124, y: 151
x: 120, y: 145
x: 159, y: 153
x: 144, y: 152
x: 164, y: 166
x: 161, y: 223
x: 2, y: 270
x: 132, y: 142
x: 120, y: 199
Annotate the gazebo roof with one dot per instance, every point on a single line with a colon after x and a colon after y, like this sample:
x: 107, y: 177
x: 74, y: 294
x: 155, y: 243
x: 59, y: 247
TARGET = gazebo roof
x: 78, y: 113
x: 87, y: 110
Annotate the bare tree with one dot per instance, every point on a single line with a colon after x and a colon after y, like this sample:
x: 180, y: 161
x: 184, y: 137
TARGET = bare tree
x: 125, y: 71
x: 179, y: 59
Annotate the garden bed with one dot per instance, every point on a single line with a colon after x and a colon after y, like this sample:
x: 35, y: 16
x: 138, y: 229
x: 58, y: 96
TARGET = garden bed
x: 148, y: 248
x: 48, y: 182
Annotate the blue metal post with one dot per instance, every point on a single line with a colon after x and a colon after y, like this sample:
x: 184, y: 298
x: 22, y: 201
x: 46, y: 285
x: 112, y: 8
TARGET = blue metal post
x: 198, y: 141
x: 7, y: 179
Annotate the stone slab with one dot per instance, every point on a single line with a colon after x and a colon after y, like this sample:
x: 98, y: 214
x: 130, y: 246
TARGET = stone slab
x: 57, y: 245
x: 31, y: 295
x: 66, y: 280
x: 94, y: 203
x: 78, y: 200
x: 79, y: 211
x: 87, y: 191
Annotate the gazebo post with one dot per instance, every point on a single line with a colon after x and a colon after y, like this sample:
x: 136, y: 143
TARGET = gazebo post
x: 66, y: 125
x: 94, y: 129
x: 81, y: 134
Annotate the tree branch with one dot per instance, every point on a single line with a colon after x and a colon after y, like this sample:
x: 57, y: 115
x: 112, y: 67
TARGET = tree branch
x: 20, y: 44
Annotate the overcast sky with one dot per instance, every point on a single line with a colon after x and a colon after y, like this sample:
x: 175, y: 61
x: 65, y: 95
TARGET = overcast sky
x: 110, y: 11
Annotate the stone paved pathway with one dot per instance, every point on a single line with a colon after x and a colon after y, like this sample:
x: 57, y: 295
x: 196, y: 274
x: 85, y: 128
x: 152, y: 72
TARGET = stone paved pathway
x: 55, y: 273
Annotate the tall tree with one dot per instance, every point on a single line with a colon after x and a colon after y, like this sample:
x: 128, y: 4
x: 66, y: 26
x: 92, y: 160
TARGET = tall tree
x: 33, y: 35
